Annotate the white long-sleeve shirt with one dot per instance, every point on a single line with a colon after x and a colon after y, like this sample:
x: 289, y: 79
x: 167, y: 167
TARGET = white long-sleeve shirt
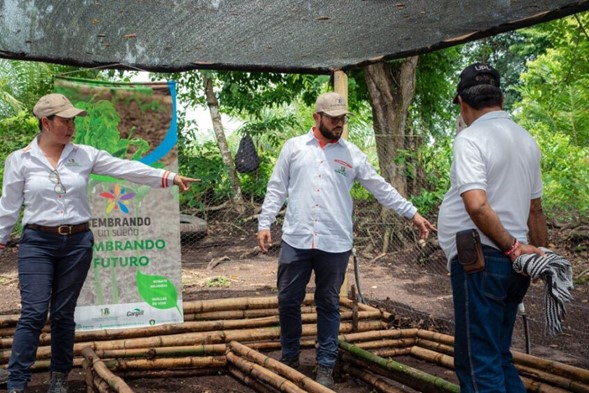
x: 317, y: 182
x: 27, y: 182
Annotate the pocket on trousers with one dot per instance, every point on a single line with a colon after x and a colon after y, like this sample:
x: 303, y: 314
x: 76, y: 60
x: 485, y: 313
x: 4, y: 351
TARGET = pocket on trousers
x: 493, y: 285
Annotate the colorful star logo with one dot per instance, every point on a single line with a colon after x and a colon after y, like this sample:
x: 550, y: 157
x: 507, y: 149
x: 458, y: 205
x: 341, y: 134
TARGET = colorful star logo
x: 118, y: 199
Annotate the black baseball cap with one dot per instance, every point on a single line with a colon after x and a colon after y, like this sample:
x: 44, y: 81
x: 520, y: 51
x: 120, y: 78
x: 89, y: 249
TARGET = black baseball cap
x: 468, y: 78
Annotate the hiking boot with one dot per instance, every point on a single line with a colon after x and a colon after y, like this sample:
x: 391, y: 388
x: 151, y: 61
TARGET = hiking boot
x: 292, y: 362
x: 325, y: 376
x: 4, y: 374
x: 58, y: 383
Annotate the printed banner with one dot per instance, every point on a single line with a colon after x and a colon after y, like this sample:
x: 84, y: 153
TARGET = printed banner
x: 135, y: 276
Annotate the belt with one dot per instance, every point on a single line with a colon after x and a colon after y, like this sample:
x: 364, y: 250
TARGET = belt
x: 63, y: 230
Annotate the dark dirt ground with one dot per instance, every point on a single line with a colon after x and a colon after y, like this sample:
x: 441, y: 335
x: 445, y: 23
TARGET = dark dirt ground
x: 228, y: 265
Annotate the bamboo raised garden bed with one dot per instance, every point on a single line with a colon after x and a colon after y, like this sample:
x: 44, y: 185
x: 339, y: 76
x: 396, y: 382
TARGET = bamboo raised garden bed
x: 230, y: 336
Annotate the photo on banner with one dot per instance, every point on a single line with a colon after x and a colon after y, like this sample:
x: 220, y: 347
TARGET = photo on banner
x: 135, y: 276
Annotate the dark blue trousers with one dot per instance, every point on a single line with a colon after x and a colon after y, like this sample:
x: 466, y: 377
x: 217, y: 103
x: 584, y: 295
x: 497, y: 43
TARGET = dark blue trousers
x: 51, y: 272
x: 294, y: 272
x: 485, y: 309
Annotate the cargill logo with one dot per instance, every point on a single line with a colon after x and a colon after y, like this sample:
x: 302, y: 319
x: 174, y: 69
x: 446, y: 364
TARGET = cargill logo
x: 135, y: 312
x: 118, y: 199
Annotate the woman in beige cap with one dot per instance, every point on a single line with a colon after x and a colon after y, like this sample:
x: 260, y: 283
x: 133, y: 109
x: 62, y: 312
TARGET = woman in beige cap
x: 49, y: 178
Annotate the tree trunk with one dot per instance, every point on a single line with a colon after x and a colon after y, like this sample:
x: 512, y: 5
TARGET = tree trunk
x: 213, y: 105
x: 391, y: 88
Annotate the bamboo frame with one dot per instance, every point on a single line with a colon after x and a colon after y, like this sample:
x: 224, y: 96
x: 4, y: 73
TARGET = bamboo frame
x: 275, y: 366
x: 237, y: 329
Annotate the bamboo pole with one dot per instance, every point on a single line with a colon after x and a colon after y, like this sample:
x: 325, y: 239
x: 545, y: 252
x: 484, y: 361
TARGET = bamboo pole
x: 240, y: 314
x: 539, y: 387
x: 552, y: 379
x: 545, y: 378
x: 273, y: 345
x: 97, y: 366
x: 189, y: 327
x: 164, y: 363
x: 274, y: 365
x: 378, y: 334
x: 263, y: 374
x: 435, y: 346
x: 100, y: 384
x: 200, y: 306
x: 391, y: 352
x: 197, y: 338
x: 551, y: 366
x: 434, y: 336
x: 88, y: 376
x: 386, y: 343
x: 412, y: 377
x: 248, y: 380
x: 378, y: 383
x: 433, y: 357
x: 152, y: 353
x: 211, y: 337
x: 162, y: 374
x: 352, y: 361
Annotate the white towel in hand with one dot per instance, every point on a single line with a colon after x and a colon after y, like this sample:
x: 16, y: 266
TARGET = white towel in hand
x: 557, y: 274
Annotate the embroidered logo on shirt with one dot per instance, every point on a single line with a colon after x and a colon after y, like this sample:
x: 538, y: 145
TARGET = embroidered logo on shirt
x: 343, y: 167
x: 342, y: 171
x: 343, y: 163
x: 71, y: 163
x: 118, y: 199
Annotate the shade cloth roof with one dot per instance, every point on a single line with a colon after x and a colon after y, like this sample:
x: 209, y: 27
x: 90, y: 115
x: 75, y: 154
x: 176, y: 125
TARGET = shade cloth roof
x: 315, y: 36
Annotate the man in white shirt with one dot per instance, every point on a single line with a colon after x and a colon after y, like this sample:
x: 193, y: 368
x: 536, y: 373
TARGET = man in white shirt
x: 496, y: 188
x: 316, y: 172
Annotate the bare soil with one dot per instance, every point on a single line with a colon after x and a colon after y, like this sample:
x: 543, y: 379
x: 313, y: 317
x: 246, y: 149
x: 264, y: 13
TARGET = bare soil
x: 418, y: 294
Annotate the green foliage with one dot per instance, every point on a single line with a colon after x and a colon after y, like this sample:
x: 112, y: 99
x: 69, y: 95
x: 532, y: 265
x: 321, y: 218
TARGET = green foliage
x: 205, y: 162
x: 270, y: 129
x: 432, y: 112
x: 22, y: 83
x: 16, y: 133
x: 565, y: 168
x: 555, y: 109
x: 218, y: 281
x: 99, y: 128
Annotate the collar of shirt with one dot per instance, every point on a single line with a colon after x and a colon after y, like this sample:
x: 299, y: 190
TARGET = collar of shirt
x: 35, y: 151
x: 491, y: 116
x: 315, y: 132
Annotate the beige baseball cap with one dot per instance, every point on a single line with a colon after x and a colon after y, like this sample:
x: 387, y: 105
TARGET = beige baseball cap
x: 332, y: 104
x: 56, y: 104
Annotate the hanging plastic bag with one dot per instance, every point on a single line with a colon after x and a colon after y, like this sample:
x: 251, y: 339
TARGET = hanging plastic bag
x: 246, y: 158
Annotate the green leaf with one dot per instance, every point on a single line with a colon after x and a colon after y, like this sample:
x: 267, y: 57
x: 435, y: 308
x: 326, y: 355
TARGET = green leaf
x: 157, y: 291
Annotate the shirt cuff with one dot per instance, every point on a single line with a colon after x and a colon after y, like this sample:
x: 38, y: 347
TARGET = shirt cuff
x: 168, y: 179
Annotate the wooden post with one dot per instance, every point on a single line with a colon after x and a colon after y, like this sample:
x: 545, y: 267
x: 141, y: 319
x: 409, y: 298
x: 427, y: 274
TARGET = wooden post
x: 340, y: 86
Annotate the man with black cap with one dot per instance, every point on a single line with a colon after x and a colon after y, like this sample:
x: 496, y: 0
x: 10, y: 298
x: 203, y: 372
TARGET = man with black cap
x: 316, y: 172
x: 496, y: 189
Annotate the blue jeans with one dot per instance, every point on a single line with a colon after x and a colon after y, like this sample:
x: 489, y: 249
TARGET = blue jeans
x: 51, y: 272
x: 294, y: 272
x: 485, y: 309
